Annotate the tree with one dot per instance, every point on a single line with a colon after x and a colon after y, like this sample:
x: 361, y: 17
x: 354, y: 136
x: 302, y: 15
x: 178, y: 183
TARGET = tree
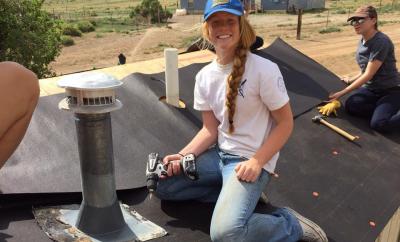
x: 151, y: 9
x: 28, y: 35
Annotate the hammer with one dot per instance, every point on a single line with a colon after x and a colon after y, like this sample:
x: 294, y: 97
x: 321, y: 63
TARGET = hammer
x: 320, y: 119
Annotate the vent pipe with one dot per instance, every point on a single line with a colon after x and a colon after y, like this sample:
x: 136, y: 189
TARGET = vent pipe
x: 91, y: 97
x: 171, y: 76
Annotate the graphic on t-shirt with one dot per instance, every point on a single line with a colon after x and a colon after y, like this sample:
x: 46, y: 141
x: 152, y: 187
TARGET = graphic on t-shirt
x: 281, y: 84
x: 241, y: 93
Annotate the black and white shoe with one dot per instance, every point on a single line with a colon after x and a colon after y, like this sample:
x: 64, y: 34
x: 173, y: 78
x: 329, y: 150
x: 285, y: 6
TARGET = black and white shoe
x: 263, y: 198
x: 311, y: 231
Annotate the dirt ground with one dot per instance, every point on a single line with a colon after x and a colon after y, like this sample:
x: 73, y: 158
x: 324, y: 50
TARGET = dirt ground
x: 334, y: 50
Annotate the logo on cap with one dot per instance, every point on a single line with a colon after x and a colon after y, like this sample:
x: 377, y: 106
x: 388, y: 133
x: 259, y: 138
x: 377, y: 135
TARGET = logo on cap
x: 218, y: 2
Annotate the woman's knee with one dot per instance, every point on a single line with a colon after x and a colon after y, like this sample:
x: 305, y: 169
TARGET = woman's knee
x: 380, y: 125
x: 20, y: 81
x: 164, y: 190
x: 30, y: 83
x: 170, y: 188
x: 353, y: 104
x: 225, y: 227
x: 224, y: 232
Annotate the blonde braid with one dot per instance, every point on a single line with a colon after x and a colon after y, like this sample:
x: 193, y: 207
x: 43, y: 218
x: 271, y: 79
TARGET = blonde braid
x: 234, y: 79
x: 247, y: 38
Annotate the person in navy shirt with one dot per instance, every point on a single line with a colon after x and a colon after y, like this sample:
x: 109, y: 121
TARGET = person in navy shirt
x: 377, y: 87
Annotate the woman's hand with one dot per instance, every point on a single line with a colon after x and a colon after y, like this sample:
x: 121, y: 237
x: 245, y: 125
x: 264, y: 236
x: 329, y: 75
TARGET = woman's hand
x: 346, y: 79
x: 248, y: 170
x: 173, y: 164
x: 336, y: 95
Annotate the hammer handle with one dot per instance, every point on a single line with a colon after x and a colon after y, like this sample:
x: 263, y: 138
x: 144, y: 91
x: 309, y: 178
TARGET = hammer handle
x: 339, y: 130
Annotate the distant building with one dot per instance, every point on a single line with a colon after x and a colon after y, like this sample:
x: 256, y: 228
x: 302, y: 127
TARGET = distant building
x: 197, y: 6
x: 193, y: 6
x: 292, y: 4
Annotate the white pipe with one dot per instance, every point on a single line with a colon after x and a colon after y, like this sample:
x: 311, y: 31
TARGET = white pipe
x: 171, y: 76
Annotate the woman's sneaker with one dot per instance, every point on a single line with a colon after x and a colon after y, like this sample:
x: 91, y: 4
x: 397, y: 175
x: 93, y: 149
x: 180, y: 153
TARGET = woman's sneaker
x: 311, y: 231
x: 263, y: 198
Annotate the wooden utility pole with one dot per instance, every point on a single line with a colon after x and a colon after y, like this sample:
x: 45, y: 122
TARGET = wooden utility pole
x: 299, y: 18
x: 327, y: 20
x: 158, y: 14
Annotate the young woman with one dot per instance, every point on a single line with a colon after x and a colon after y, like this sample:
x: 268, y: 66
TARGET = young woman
x: 377, y: 86
x: 245, y: 110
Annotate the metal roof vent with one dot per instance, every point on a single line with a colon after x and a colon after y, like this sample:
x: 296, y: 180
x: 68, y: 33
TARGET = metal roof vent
x: 90, y: 93
x: 91, y: 97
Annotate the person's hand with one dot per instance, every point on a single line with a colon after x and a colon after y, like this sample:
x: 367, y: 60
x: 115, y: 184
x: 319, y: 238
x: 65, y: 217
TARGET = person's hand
x: 329, y: 108
x: 336, y: 95
x: 346, y: 79
x: 173, y: 164
x: 248, y: 170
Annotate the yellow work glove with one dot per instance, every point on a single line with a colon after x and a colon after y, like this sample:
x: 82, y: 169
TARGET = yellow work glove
x: 329, y: 108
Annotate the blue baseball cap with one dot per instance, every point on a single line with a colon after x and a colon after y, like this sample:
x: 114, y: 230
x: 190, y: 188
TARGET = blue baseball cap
x: 230, y: 6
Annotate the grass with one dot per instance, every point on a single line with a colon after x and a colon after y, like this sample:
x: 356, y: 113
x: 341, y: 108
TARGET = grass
x: 186, y: 42
x: 383, y: 22
x: 286, y: 25
x: 389, y: 8
x: 330, y: 30
x: 107, y: 14
x: 352, y: 5
x: 113, y: 15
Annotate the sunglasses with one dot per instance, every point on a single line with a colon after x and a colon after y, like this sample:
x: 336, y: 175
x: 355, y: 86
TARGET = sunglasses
x: 357, y: 21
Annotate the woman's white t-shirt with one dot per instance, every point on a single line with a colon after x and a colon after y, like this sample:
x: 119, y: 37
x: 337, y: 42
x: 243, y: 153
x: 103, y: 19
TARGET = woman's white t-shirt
x: 261, y: 90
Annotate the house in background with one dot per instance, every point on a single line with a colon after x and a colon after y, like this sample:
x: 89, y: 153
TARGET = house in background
x: 292, y: 4
x: 193, y: 6
x: 197, y: 6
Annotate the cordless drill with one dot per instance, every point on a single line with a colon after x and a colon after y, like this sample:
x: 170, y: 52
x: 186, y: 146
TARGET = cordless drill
x: 155, y: 168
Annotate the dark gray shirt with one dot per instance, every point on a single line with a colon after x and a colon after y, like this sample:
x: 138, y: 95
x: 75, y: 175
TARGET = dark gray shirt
x: 381, y: 48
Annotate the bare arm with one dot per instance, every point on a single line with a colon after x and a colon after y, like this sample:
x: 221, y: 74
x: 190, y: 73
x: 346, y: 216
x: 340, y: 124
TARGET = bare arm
x: 250, y: 170
x: 349, y: 80
x: 370, y: 71
x: 206, y: 137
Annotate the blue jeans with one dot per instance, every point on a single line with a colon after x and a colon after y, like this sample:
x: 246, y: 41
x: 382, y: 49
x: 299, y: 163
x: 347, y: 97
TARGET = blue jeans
x: 233, y: 217
x: 381, y: 107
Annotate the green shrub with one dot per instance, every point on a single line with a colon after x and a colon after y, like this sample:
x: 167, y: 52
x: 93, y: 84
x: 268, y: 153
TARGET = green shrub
x: 151, y: 9
x: 330, y: 30
x: 86, y: 26
x: 71, y: 31
x: 29, y: 35
x: 93, y: 22
x: 67, y: 40
x: 383, y: 22
x: 340, y: 11
x: 285, y: 25
x: 389, y: 8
